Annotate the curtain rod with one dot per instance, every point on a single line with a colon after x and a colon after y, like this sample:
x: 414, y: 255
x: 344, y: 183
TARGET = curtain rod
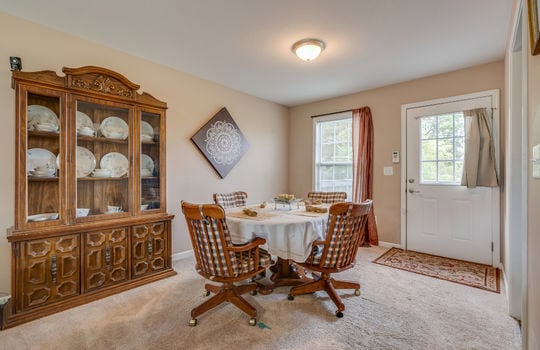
x: 325, y: 114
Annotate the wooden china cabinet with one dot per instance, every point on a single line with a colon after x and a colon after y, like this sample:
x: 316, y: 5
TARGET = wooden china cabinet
x: 90, y: 215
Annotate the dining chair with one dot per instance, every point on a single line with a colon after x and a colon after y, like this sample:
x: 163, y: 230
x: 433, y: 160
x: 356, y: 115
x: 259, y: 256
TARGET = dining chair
x: 221, y: 261
x: 336, y: 253
x: 327, y: 197
x: 231, y: 200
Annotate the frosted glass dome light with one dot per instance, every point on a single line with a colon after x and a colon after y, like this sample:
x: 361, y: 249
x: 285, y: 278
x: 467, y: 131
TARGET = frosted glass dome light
x: 308, y: 49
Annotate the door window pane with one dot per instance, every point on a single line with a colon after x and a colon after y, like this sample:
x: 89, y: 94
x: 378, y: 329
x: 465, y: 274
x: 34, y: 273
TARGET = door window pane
x: 442, y: 148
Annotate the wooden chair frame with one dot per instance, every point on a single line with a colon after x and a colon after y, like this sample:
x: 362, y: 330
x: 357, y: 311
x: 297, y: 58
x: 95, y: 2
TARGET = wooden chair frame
x: 218, y: 260
x: 339, y: 249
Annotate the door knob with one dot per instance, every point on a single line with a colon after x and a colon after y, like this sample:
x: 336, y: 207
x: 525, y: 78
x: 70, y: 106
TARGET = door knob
x: 413, y: 191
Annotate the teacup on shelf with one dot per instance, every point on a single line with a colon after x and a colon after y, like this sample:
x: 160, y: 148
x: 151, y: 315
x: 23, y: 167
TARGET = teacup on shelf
x: 114, y: 209
x: 81, y: 212
x: 146, y: 138
x: 144, y: 206
x: 86, y: 131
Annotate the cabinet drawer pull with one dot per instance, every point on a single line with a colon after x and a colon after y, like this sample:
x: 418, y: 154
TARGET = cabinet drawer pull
x: 107, y: 257
x: 53, y: 269
x: 149, y: 248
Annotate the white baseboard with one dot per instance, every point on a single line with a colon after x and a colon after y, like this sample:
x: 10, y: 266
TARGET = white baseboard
x: 182, y: 255
x: 389, y: 245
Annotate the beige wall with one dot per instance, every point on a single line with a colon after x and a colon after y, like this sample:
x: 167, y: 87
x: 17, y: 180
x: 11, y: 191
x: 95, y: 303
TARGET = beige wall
x: 533, y: 211
x: 191, y: 102
x: 385, y: 104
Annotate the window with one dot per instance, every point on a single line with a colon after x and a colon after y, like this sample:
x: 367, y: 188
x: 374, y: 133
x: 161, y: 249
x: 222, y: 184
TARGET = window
x: 333, y: 153
x: 442, y: 148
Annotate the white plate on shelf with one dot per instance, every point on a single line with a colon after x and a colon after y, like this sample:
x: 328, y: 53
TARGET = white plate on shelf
x: 86, y: 162
x: 40, y: 157
x: 83, y: 120
x: 147, y: 131
x: 147, y: 165
x: 37, y: 114
x: 114, y: 128
x: 43, y: 217
x: 116, y: 162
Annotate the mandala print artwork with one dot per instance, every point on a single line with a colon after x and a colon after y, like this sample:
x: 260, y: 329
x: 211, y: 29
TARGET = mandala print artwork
x: 221, y: 142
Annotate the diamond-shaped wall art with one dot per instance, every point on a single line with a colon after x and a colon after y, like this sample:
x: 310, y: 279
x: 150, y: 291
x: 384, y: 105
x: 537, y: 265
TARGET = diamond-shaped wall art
x: 221, y: 142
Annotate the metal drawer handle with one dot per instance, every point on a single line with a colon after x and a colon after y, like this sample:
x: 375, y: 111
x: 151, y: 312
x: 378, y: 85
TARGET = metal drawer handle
x: 107, y: 257
x: 53, y: 269
x: 149, y: 248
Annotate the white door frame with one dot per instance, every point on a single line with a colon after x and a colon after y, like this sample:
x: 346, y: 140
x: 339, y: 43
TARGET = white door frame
x: 495, y: 224
x: 515, y: 259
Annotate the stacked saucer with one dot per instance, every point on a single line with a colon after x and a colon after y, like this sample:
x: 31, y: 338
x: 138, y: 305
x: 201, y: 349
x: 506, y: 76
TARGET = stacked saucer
x: 42, y: 172
x: 46, y: 126
x: 101, y: 172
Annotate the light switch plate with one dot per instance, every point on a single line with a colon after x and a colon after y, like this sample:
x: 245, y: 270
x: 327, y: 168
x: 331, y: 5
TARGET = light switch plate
x: 395, y: 157
x: 536, y: 152
x: 536, y: 170
x: 388, y: 171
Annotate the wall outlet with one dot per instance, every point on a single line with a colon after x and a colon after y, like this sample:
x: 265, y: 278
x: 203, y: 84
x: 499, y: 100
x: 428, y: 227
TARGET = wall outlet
x: 388, y: 171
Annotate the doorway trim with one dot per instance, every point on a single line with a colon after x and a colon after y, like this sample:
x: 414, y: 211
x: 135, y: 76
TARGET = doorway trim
x: 495, y: 215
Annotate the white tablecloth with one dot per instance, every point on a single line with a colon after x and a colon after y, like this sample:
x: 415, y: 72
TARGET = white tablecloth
x: 288, y: 234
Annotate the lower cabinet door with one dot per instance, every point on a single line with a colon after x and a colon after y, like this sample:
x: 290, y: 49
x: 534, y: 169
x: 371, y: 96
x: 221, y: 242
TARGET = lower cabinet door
x: 50, y: 271
x: 106, y: 262
x: 149, y: 247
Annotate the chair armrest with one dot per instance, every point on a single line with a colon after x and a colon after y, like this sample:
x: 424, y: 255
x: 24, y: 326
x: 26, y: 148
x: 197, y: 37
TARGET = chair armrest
x: 318, y: 243
x: 254, y: 243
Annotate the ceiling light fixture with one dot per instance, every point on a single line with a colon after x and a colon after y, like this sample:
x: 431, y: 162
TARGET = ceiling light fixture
x: 308, y: 49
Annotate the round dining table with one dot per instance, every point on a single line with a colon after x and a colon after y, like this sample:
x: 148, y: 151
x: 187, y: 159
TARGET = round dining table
x: 289, y: 235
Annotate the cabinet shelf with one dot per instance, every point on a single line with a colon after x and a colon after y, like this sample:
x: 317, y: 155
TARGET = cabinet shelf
x: 100, y: 139
x: 90, y: 178
x: 42, y: 179
x: 51, y: 134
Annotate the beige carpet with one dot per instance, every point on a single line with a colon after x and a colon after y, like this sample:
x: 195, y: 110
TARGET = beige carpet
x: 397, y: 310
x: 458, y: 271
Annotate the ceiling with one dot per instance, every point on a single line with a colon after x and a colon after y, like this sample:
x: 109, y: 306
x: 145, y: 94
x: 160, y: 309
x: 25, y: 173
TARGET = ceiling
x: 246, y: 44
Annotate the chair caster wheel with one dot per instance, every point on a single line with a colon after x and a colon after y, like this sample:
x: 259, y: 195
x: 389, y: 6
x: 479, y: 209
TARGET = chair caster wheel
x: 357, y: 292
x: 339, y: 314
x: 290, y: 297
x: 193, y: 322
x: 205, y: 293
x: 252, y: 322
x: 253, y: 292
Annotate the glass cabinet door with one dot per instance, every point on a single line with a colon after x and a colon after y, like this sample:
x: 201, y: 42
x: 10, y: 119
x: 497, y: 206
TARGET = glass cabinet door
x: 102, y: 159
x: 150, y: 161
x: 41, y: 143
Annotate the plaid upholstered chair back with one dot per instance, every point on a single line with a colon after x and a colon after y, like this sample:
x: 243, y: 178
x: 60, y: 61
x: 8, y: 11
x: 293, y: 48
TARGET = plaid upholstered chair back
x: 210, y: 237
x: 231, y: 200
x: 344, y: 230
x: 327, y: 197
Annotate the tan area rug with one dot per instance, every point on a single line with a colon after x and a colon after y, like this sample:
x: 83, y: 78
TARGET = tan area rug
x: 458, y: 271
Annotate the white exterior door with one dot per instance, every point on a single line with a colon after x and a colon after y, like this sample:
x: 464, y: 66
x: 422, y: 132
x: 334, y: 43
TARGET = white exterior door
x: 441, y: 216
